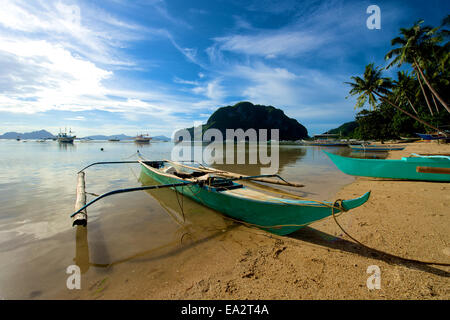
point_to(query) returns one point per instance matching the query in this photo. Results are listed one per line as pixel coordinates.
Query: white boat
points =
(142, 138)
(65, 137)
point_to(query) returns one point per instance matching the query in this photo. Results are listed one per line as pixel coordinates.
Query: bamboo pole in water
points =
(81, 217)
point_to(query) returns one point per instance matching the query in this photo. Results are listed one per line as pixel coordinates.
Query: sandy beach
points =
(404, 218)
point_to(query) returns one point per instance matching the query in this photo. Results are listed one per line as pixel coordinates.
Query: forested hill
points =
(246, 115)
(345, 130)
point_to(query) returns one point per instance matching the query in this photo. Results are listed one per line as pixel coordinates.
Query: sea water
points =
(37, 195)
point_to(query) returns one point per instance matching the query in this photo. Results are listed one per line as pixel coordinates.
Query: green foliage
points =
(347, 130)
(375, 124)
(367, 88)
(399, 107)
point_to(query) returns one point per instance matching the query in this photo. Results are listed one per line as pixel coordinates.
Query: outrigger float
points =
(221, 191)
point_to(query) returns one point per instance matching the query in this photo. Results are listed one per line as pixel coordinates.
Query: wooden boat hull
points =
(405, 169)
(276, 215)
(66, 139)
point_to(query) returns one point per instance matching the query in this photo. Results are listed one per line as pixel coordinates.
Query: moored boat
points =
(408, 168)
(436, 136)
(142, 138)
(324, 143)
(409, 139)
(65, 137)
(376, 148)
(325, 140)
(277, 215)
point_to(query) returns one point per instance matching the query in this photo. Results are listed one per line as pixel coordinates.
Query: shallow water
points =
(38, 191)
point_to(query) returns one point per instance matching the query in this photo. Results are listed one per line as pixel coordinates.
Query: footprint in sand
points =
(446, 251)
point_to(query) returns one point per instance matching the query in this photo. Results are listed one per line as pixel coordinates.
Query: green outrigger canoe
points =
(277, 215)
(426, 168)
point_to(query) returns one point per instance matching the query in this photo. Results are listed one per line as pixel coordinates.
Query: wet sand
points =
(404, 218)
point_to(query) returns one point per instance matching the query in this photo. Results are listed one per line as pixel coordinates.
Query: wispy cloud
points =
(272, 44)
(57, 57)
(94, 36)
(213, 90)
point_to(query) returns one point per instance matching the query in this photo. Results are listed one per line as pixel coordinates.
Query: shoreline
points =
(403, 218)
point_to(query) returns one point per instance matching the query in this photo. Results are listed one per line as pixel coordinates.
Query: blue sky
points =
(110, 67)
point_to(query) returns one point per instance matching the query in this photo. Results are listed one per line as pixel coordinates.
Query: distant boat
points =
(327, 140)
(65, 137)
(427, 168)
(18, 139)
(142, 138)
(324, 143)
(438, 136)
(408, 139)
(114, 139)
(376, 148)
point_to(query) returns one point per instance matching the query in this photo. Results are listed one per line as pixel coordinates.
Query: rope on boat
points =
(279, 226)
(181, 205)
(337, 205)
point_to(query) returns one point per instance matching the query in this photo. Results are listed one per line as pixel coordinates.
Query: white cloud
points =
(77, 118)
(55, 56)
(272, 43)
(213, 90)
(182, 81)
(91, 33)
(58, 79)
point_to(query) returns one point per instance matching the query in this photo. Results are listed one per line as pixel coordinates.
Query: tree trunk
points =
(431, 88)
(407, 113)
(424, 93)
(412, 106)
(435, 104)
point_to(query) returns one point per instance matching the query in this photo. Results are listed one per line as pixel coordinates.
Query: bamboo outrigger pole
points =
(171, 185)
(237, 175)
(80, 218)
(80, 214)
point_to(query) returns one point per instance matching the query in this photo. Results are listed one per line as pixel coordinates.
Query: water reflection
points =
(242, 158)
(287, 157)
(194, 224)
(66, 146)
(191, 216)
(142, 143)
(82, 249)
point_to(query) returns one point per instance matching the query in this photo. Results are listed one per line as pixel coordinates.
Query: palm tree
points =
(403, 86)
(414, 43)
(374, 86)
